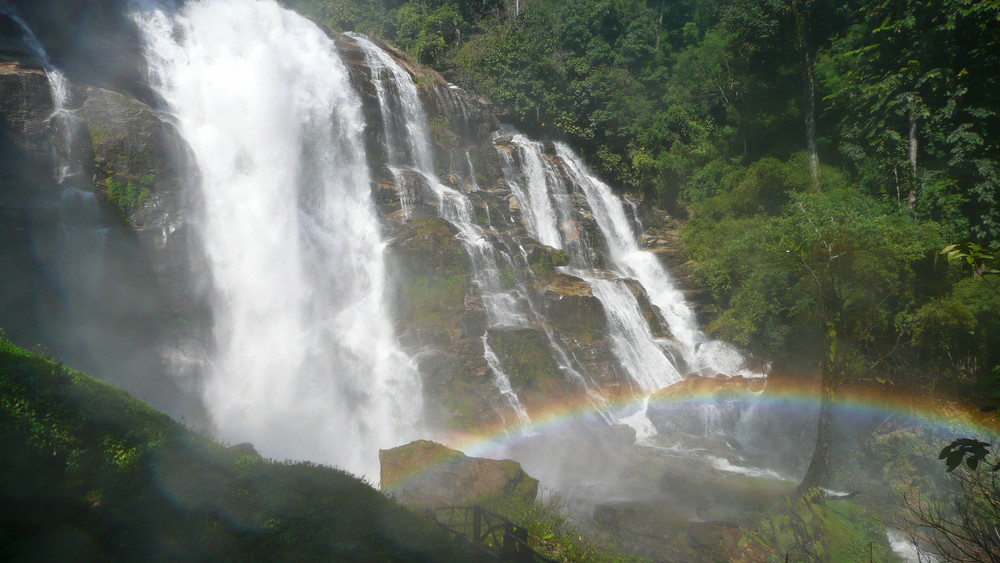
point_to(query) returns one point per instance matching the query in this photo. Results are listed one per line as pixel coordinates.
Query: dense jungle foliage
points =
(822, 153)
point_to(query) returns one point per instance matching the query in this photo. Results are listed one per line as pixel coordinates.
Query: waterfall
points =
(58, 85)
(306, 364)
(545, 187)
(64, 123)
(502, 381)
(505, 305)
(545, 192)
(396, 89)
(698, 351)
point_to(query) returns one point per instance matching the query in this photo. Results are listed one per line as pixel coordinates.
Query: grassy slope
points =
(87, 472)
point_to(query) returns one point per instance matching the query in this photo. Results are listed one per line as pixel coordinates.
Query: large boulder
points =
(139, 160)
(425, 474)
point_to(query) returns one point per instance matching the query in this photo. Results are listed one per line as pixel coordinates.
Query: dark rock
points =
(425, 474)
(527, 359)
(434, 265)
(138, 159)
(108, 55)
(25, 106)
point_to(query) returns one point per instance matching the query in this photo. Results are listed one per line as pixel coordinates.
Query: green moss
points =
(443, 133)
(813, 529)
(551, 533)
(544, 260)
(525, 356)
(128, 196)
(433, 263)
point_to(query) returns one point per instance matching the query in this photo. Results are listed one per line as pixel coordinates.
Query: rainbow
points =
(946, 418)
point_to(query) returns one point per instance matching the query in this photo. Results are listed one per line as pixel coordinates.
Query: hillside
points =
(90, 473)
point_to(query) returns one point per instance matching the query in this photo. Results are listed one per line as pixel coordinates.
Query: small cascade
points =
(642, 358)
(554, 193)
(502, 381)
(473, 184)
(698, 352)
(504, 305)
(306, 363)
(75, 200)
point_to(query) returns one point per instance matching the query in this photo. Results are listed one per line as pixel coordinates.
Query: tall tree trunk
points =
(659, 25)
(912, 200)
(820, 462)
(809, 98)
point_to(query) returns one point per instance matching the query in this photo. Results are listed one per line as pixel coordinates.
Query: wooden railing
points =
(495, 537)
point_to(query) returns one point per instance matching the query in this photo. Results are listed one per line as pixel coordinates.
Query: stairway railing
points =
(495, 536)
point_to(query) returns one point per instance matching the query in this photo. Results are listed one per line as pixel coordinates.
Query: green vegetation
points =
(91, 473)
(821, 152)
(773, 126)
(848, 532)
(553, 535)
(127, 196)
(525, 356)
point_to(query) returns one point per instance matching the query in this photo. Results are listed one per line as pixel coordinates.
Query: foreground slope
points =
(88, 472)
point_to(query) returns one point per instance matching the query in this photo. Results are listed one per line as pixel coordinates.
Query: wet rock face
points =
(425, 474)
(527, 359)
(108, 55)
(432, 266)
(702, 406)
(661, 237)
(25, 105)
(139, 160)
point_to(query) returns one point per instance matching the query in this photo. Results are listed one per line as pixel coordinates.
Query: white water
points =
(58, 85)
(65, 124)
(502, 381)
(631, 338)
(306, 363)
(631, 261)
(551, 211)
(504, 304)
(906, 549)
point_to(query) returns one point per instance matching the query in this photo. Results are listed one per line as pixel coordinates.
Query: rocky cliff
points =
(136, 176)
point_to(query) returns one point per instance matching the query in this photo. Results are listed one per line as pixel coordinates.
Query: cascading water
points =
(505, 306)
(697, 350)
(651, 363)
(306, 363)
(503, 385)
(63, 122)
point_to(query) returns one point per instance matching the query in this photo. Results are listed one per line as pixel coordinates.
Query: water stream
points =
(306, 364)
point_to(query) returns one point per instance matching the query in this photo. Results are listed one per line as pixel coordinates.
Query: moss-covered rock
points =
(652, 316)
(813, 529)
(137, 157)
(543, 260)
(571, 307)
(424, 474)
(527, 358)
(432, 266)
(459, 394)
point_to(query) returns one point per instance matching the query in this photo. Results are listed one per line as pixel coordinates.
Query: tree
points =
(825, 281)
(964, 525)
(914, 85)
